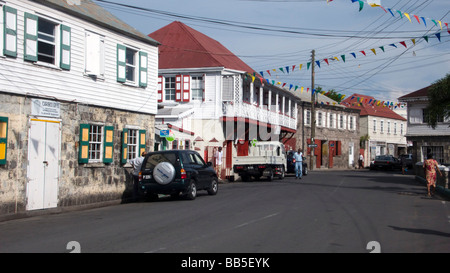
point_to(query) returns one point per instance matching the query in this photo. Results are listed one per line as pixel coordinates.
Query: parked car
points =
(408, 160)
(176, 172)
(386, 162)
(291, 163)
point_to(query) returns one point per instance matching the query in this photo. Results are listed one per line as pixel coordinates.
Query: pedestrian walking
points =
(136, 163)
(430, 166)
(298, 157)
(361, 161)
(218, 160)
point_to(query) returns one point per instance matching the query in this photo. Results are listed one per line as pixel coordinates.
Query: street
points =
(325, 212)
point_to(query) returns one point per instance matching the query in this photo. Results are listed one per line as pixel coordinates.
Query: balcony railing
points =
(262, 114)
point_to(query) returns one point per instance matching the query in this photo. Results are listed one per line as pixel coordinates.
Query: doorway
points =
(44, 142)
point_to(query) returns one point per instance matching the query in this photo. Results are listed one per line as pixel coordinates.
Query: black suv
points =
(176, 172)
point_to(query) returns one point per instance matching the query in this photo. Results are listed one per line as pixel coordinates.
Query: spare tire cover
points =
(164, 173)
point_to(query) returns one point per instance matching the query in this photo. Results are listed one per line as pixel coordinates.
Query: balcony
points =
(259, 113)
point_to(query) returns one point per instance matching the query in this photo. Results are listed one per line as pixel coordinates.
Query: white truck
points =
(265, 158)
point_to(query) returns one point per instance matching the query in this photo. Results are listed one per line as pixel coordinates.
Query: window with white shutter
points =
(9, 31)
(95, 54)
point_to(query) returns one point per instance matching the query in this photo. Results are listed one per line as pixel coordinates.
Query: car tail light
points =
(140, 176)
(239, 167)
(183, 174)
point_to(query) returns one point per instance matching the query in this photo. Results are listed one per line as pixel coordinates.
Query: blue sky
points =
(332, 30)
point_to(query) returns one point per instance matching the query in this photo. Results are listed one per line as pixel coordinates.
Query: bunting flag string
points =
(291, 68)
(407, 15)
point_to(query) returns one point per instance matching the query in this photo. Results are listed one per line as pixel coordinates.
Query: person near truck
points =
(298, 157)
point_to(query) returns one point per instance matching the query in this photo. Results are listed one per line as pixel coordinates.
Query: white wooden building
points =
(77, 99)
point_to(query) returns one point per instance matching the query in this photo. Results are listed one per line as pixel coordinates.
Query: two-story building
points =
(210, 98)
(382, 130)
(77, 100)
(422, 138)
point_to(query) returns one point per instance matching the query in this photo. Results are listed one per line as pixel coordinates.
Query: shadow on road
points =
(421, 231)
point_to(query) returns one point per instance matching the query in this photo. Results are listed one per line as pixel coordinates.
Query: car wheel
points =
(214, 187)
(192, 192)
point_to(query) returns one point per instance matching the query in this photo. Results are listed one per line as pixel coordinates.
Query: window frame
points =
(168, 81)
(197, 88)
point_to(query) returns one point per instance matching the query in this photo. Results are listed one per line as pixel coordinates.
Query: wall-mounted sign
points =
(45, 108)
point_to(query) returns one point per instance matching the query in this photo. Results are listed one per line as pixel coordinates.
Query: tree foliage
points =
(438, 108)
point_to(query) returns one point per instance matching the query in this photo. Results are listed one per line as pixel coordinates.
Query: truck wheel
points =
(282, 173)
(270, 176)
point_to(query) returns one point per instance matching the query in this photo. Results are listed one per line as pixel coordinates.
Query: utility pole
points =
(313, 111)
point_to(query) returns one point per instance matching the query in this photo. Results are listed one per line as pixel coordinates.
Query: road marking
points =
(256, 220)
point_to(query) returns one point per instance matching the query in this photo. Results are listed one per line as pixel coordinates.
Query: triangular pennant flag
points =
(262, 74)
(318, 63)
(268, 71)
(374, 52)
(401, 15)
(281, 69)
(293, 68)
(361, 5)
(435, 23)
(383, 9)
(290, 87)
(426, 38)
(354, 55)
(300, 68)
(391, 12)
(296, 87)
(301, 90)
(440, 24)
(284, 84)
(287, 69)
(362, 51)
(343, 58)
(425, 22)
(336, 58)
(407, 16)
(403, 43)
(417, 18)
(326, 60)
(314, 90)
(382, 48)
(438, 35)
(413, 41)
(308, 65)
(307, 90)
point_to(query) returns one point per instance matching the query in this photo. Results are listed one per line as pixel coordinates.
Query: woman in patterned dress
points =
(430, 166)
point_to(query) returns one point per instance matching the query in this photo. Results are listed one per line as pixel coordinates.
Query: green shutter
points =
(142, 141)
(3, 139)
(9, 31)
(121, 63)
(31, 38)
(143, 63)
(124, 147)
(108, 144)
(83, 155)
(65, 47)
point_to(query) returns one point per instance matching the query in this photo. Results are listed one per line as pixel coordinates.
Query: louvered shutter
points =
(142, 141)
(3, 139)
(143, 63)
(186, 93)
(121, 63)
(65, 47)
(124, 147)
(10, 31)
(203, 86)
(178, 87)
(83, 155)
(31, 37)
(108, 144)
(160, 88)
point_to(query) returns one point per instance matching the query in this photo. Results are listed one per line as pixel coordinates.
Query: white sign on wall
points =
(45, 108)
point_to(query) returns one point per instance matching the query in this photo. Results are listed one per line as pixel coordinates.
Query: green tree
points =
(332, 94)
(439, 102)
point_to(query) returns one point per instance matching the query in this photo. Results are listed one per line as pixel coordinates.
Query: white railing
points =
(246, 110)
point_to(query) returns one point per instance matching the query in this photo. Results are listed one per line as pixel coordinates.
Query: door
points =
(43, 164)
(351, 154)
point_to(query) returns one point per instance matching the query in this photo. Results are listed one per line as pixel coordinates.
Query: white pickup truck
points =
(265, 158)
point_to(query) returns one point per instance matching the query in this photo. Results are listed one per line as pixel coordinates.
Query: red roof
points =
(416, 94)
(370, 109)
(184, 47)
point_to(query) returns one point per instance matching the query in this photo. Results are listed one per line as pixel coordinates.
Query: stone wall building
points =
(73, 110)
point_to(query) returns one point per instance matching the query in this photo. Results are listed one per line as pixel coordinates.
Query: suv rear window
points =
(154, 159)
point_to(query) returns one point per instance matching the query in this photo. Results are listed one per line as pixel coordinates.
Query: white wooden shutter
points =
(94, 54)
(178, 88)
(65, 47)
(121, 63)
(143, 64)
(10, 31)
(31, 37)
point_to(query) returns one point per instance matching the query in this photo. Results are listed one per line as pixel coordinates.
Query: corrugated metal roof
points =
(92, 12)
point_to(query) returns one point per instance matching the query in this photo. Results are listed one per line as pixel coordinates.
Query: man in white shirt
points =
(298, 157)
(136, 163)
(218, 157)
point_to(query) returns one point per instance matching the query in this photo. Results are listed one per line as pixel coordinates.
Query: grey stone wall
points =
(79, 184)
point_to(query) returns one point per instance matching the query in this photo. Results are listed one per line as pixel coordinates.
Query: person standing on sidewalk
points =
(298, 157)
(361, 161)
(136, 163)
(430, 166)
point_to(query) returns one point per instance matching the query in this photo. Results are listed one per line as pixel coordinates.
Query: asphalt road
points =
(329, 211)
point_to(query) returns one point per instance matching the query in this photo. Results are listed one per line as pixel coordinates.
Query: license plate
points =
(148, 176)
(250, 167)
